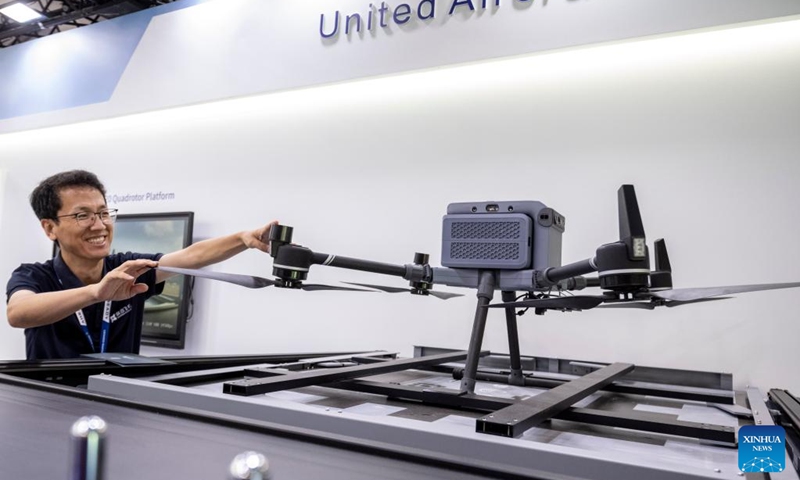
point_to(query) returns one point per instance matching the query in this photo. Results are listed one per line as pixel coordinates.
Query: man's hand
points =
(119, 284)
(259, 238)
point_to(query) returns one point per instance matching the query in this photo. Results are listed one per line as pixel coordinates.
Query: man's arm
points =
(28, 309)
(214, 250)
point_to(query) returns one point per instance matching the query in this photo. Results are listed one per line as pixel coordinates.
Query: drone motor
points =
(624, 266)
(291, 262)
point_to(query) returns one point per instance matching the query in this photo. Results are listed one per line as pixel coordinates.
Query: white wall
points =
(705, 125)
(173, 55)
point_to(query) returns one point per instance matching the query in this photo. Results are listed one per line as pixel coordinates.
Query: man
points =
(86, 300)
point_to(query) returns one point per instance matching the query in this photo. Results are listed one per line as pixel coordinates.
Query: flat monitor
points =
(165, 315)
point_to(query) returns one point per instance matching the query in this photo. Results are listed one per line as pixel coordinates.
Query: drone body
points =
(502, 236)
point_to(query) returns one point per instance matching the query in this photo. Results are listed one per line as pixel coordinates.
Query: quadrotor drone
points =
(513, 247)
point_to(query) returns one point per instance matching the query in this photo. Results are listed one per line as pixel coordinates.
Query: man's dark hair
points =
(45, 198)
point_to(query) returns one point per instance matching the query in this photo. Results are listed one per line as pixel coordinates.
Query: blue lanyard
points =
(105, 329)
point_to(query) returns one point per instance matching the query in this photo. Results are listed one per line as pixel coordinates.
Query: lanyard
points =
(103, 332)
(106, 325)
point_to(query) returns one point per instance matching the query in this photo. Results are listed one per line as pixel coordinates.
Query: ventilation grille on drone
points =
(485, 251)
(485, 230)
(496, 240)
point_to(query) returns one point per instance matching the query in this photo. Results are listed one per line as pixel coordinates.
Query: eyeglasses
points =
(87, 219)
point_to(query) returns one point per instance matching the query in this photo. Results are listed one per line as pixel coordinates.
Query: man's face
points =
(91, 241)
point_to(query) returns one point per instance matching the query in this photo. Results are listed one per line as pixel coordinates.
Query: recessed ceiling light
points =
(20, 13)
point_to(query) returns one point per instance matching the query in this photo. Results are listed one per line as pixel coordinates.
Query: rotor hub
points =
(288, 283)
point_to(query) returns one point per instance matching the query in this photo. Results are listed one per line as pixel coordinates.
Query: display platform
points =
(373, 415)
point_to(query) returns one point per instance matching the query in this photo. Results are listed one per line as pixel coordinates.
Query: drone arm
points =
(413, 272)
(553, 275)
(578, 283)
(364, 265)
(526, 280)
(291, 259)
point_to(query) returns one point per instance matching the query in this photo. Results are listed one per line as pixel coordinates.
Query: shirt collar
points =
(66, 278)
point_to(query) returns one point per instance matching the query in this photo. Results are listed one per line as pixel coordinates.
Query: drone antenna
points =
(661, 256)
(630, 219)
(661, 277)
(631, 229)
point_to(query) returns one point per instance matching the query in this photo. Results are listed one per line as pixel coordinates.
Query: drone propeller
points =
(695, 294)
(250, 281)
(387, 289)
(586, 302)
(644, 300)
(652, 305)
(661, 284)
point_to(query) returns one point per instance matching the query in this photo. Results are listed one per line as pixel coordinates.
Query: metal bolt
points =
(88, 439)
(250, 466)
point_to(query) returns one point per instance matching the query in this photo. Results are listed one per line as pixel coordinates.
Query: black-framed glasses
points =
(86, 219)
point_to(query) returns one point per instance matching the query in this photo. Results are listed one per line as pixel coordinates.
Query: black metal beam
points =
(789, 407)
(363, 358)
(642, 421)
(632, 388)
(317, 377)
(576, 367)
(514, 420)
(77, 371)
(650, 422)
(374, 359)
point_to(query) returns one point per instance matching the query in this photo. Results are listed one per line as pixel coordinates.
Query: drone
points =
(519, 244)
(511, 247)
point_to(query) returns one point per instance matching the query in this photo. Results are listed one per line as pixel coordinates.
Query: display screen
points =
(165, 314)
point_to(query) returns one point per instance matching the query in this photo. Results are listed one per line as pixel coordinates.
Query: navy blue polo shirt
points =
(65, 338)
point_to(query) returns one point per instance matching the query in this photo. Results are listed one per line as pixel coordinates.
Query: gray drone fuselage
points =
(515, 239)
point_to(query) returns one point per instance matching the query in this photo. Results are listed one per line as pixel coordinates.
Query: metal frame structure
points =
(504, 418)
(238, 398)
(240, 382)
(61, 15)
(285, 441)
(789, 407)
